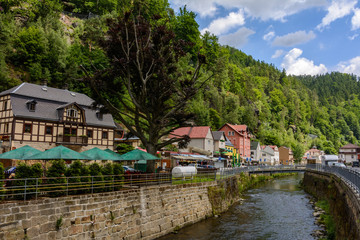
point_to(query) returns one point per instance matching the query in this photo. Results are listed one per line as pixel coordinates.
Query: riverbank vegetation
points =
(62, 41)
(327, 220)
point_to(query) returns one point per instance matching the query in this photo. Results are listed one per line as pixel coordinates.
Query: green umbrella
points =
(137, 154)
(98, 154)
(118, 156)
(20, 153)
(59, 152)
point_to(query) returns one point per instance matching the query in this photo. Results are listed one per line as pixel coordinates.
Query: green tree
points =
(124, 148)
(144, 61)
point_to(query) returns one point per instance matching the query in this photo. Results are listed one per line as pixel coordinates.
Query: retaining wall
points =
(146, 213)
(343, 201)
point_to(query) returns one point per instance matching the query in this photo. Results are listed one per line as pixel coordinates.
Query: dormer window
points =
(99, 115)
(72, 113)
(31, 105)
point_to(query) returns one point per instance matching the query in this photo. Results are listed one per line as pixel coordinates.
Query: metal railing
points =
(33, 188)
(351, 176)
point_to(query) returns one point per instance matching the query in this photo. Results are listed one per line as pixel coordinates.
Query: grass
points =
(327, 219)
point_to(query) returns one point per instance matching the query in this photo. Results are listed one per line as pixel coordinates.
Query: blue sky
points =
(302, 36)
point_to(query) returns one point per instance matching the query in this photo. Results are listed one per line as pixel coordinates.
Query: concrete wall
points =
(142, 213)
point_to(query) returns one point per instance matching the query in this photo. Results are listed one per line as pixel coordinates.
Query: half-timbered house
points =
(44, 117)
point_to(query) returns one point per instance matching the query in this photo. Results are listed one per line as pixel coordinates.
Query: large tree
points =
(150, 81)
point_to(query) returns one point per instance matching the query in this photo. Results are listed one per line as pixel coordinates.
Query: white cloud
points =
(353, 36)
(237, 39)
(222, 25)
(355, 21)
(262, 9)
(337, 9)
(301, 66)
(278, 53)
(292, 39)
(202, 7)
(351, 66)
(269, 36)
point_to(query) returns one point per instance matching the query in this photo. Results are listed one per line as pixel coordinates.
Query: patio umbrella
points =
(20, 153)
(118, 156)
(59, 152)
(137, 154)
(98, 154)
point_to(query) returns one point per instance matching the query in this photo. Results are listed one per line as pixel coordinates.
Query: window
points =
(233, 133)
(89, 133)
(27, 128)
(32, 107)
(48, 130)
(6, 128)
(105, 135)
(72, 113)
(5, 106)
(71, 131)
(99, 115)
(229, 133)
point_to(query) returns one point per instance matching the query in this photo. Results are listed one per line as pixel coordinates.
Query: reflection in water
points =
(276, 210)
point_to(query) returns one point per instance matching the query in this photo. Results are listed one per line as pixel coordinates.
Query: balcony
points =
(72, 140)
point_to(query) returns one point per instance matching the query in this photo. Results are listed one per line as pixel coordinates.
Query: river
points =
(276, 210)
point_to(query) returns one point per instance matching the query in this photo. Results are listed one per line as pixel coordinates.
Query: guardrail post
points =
(67, 186)
(36, 189)
(25, 190)
(92, 184)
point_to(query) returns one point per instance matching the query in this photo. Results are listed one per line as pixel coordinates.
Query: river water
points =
(276, 210)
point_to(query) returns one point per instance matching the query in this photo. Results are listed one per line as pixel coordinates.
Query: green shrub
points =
(56, 173)
(2, 176)
(74, 172)
(108, 172)
(30, 185)
(119, 175)
(2, 169)
(96, 177)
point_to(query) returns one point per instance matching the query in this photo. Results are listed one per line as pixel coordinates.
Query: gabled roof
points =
(254, 145)
(218, 134)
(350, 146)
(228, 143)
(51, 99)
(268, 150)
(273, 147)
(237, 128)
(192, 132)
(49, 93)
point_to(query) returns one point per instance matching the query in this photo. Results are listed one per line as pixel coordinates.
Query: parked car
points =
(355, 164)
(337, 164)
(206, 166)
(130, 170)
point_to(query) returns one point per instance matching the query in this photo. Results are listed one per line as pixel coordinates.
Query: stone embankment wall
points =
(142, 213)
(344, 204)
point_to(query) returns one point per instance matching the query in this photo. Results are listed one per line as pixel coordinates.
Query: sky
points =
(301, 36)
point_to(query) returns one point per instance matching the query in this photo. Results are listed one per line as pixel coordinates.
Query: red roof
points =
(238, 128)
(192, 132)
(350, 146)
(273, 147)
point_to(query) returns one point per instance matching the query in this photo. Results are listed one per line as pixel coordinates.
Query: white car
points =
(337, 164)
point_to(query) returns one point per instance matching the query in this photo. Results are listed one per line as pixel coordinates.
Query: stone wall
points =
(142, 213)
(344, 203)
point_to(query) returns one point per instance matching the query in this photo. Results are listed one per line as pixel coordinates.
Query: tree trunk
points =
(150, 164)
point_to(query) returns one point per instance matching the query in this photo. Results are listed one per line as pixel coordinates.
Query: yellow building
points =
(44, 117)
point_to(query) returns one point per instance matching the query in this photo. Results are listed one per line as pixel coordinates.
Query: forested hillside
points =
(50, 40)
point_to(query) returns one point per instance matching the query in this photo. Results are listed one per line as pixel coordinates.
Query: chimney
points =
(44, 82)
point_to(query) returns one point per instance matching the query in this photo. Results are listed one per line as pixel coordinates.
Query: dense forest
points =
(50, 40)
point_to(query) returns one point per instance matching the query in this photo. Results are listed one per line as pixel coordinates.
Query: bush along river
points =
(276, 209)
